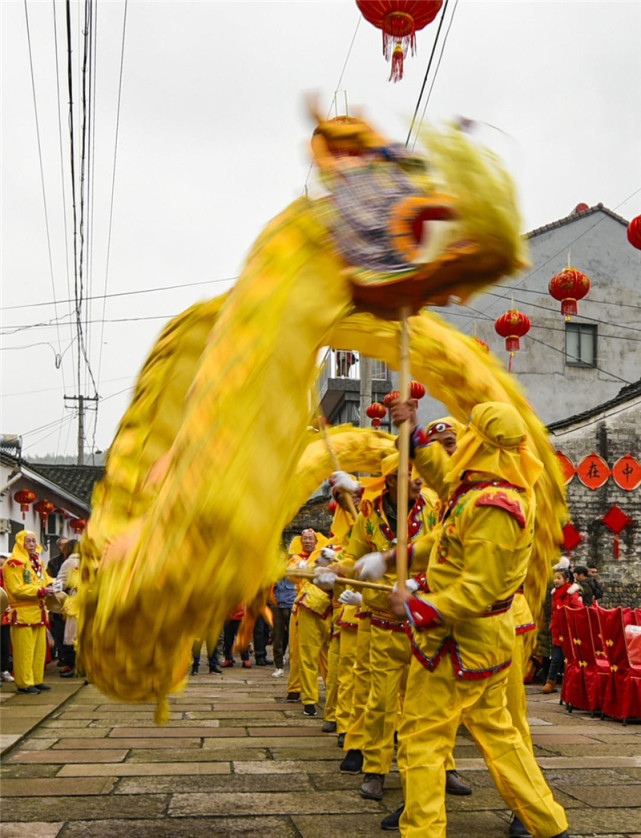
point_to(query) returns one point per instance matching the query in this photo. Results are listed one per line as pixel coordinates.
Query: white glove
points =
(327, 556)
(372, 566)
(412, 585)
(325, 580)
(350, 598)
(343, 482)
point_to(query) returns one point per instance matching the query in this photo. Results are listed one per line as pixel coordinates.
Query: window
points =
(580, 344)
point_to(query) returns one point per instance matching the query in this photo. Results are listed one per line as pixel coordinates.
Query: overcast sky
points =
(212, 143)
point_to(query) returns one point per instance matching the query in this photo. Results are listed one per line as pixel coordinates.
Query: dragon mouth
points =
(416, 229)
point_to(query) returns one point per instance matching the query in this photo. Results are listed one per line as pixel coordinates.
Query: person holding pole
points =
(463, 631)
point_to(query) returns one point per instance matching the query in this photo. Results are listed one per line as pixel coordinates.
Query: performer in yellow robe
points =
(27, 583)
(389, 649)
(463, 631)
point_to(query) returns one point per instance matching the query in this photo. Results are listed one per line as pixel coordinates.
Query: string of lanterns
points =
(44, 508)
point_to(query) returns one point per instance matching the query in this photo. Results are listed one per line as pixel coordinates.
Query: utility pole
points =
(366, 388)
(81, 422)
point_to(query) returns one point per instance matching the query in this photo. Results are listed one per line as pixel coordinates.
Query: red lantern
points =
(391, 397)
(512, 325)
(376, 412)
(417, 390)
(24, 497)
(569, 286)
(399, 20)
(44, 508)
(634, 232)
(77, 525)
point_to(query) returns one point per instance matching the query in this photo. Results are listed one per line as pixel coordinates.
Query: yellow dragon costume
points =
(227, 387)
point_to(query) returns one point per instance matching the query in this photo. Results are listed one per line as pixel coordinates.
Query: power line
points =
(436, 70)
(126, 293)
(427, 71)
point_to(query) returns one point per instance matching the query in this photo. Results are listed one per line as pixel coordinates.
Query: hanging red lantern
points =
(482, 344)
(376, 412)
(417, 390)
(391, 397)
(24, 497)
(569, 286)
(512, 325)
(634, 232)
(77, 525)
(399, 20)
(44, 508)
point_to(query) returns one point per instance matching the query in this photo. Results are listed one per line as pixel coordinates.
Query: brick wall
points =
(314, 514)
(610, 436)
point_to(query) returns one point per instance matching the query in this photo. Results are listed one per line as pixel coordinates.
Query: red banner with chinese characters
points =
(593, 471)
(626, 473)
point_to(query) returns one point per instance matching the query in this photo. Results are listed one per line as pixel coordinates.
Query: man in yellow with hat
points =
(27, 583)
(463, 631)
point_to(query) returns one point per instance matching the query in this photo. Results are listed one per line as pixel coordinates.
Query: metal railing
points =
(340, 363)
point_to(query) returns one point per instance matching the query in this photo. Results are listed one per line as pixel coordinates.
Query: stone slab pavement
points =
(235, 759)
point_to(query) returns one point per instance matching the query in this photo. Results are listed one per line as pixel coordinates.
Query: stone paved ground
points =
(235, 759)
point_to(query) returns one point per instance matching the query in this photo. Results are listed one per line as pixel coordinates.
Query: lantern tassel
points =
(397, 63)
(617, 552)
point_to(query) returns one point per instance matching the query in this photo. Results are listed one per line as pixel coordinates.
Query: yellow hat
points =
(495, 442)
(19, 550)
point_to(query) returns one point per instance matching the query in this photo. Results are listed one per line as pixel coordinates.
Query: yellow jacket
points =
(371, 533)
(475, 568)
(25, 580)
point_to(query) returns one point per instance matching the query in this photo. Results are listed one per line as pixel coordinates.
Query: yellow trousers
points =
(389, 656)
(331, 684)
(346, 668)
(313, 643)
(293, 685)
(362, 676)
(515, 693)
(29, 653)
(435, 704)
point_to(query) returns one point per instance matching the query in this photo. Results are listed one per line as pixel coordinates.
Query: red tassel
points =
(397, 63)
(616, 546)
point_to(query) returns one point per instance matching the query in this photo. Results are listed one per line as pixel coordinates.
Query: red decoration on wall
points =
(616, 521)
(44, 508)
(593, 471)
(634, 232)
(24, 497)
(376, 412)
(512, 325)
(399, 21)
(571, 537)
(568, 286)
(567, 466)
(626, 473)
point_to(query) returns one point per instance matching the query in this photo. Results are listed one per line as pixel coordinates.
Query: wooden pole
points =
(403, 450)
(335, 464)
(345, 580)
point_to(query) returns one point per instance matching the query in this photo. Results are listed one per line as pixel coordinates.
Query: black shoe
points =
(29, 690)
(194, 669)
(310, 710)
(353, 762)
(518, 829)
(261, 662)
(455, 785)
(329, 727)
(68, 674)
(391, 822)
(341, 740)
(42, 687)
(213, 667)
(293, 696)
(565, 834)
